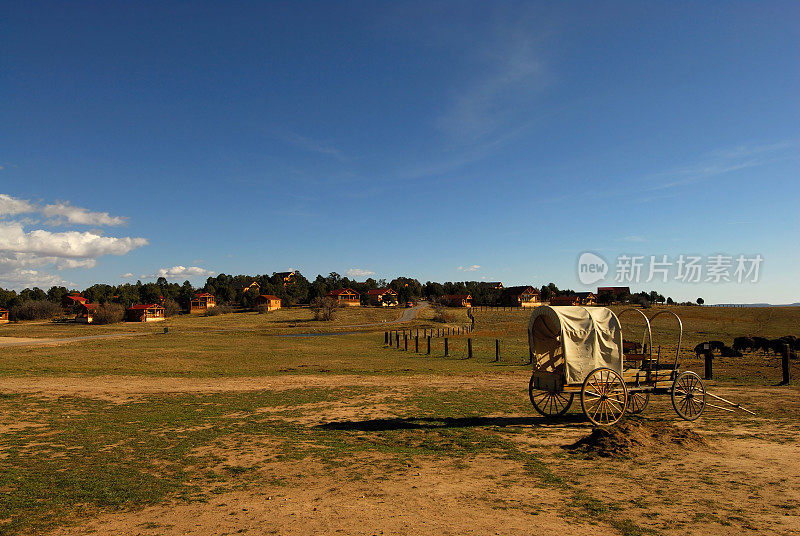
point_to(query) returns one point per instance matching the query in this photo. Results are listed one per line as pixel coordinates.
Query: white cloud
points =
(23, 252)
(19, 278)
(473, 268)
(127, 275)
(359, 272)
(180, 272)
(633, 238)
(59, 213)
(64, 213)
(69, 244)
(508, 72)
(10, 206)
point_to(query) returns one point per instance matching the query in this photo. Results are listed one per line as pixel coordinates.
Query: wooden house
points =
(202, 302)
(522, 296)
(151, 312)
(272, 303)
(85, 314)
(565, 300)
(251, 286)
(457, 300)
(346, 297)
(383, 297)
(286, 277)
(69, 301)
(614, 293)
(587, 298)
(3, 316)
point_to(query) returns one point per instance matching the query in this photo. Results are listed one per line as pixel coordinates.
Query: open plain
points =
(238, 424)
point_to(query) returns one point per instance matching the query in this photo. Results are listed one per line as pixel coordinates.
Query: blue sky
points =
(443, 141)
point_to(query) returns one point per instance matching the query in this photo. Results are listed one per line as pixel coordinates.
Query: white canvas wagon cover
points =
(574, 341)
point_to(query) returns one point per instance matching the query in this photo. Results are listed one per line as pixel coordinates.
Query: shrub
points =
(440, 314)
(171, 308)
(324, 308)
(108, 313)
(219, 310)
(262, 309)
(36, 310)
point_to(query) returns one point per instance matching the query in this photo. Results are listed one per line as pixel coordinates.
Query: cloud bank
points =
(23, 249)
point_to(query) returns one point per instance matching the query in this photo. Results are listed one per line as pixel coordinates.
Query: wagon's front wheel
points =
(604, 396)
(549, 403)
(688, 395)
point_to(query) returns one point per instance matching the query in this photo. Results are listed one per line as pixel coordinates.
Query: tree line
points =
(230, 290)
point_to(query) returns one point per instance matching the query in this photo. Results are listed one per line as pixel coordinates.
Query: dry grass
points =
(245, 415)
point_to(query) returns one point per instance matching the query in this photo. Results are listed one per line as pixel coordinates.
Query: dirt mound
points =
(634, 437)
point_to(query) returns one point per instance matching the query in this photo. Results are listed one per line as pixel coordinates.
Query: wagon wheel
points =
(549, 403)
(604, 396)
(637, 401)
(688, 395)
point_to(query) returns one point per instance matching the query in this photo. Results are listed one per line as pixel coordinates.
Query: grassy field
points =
(227, 425)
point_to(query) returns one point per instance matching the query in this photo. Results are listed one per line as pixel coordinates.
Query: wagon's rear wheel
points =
(688, 395)
(549, 403)
(604, 396)
(637, 401)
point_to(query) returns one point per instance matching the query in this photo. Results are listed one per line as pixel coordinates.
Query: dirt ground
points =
(745, 478)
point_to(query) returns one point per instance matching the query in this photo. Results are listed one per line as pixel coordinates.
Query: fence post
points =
(385, 338)
(786, 368)
(416, 344)
(390, 338)
(397, 339)
(469, 348)
(497, 349)
(405, 341)
(446, 348)
(429, 346)
(709, 370)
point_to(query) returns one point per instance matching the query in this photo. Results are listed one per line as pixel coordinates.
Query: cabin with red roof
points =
(457, 300)
(3, 316)
(150, 312)
(383, 297)
(272, 303)
(345, 297)
(69, 301)
(85, 313)
(202, 302)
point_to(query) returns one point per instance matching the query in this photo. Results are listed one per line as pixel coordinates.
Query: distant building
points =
(272, 303)
(251, 286)
(151, 312)
(457, 300)
(492, 285)
(616, 293)
(522, 296)
(346, 297)
(202, 302)
(382, 296)
(286, 277)
(85, 313)
(565, 300)
(69, 301)
(3, 316)
(578, 298)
